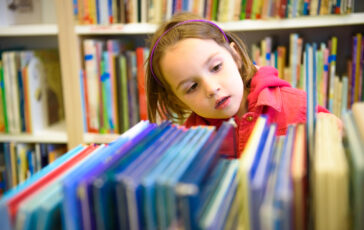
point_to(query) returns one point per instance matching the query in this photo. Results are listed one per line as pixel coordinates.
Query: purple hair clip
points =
(178, 24)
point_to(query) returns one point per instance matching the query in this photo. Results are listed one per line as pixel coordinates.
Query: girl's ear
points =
(236, 54)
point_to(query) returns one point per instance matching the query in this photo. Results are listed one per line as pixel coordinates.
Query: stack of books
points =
(167, 176)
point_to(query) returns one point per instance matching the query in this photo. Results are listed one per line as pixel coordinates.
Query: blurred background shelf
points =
(244, 25)
(29, 30)
(54, 134)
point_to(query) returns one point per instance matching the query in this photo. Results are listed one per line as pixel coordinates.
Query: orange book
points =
(281, 61)
(28, 122)
(141, 83)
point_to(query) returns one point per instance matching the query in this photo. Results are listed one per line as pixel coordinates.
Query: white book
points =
(12, 91)
(37, 94)
(92, 82)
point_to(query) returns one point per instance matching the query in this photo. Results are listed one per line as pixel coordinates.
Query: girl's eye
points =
(192, 88)
(216, 67)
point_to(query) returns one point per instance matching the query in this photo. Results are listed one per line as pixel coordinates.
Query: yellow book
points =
(13, 160)
(358, 110)
(299, 178)
(246, 161)
(330, 176)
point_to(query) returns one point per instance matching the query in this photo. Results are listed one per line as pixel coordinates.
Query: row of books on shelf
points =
(132, 11)
(167, 176)
(19, 161)
(112, 84)
(335, 92)
(31, 91)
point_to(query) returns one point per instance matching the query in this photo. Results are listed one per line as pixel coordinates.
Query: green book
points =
(124, 94)
(243, 10)
(3, 112)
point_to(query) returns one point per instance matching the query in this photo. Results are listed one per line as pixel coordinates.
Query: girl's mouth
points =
(222, 102)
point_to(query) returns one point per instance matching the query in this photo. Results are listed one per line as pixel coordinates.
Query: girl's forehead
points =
(194, 48)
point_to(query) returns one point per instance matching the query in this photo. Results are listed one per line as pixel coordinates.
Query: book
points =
(149, 181)
(12, 204)
(128, 182)
(166, 182)
(4, 217)
(254, 146)
(283, 194)
(101, 178)
(217, 207)
(259, 177)
(71, 205)
(192, 184)
(141, 55)
(299, 177)
(356, 162)
(331, 184)
(266, 211)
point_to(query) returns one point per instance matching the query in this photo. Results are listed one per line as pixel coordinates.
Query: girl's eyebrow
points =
(205, 63)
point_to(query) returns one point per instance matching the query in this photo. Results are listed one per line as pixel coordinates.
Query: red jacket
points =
(268, 95)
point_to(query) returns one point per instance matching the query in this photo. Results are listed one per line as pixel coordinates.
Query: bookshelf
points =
(29, 30)
(235, 26)
(67, 36)
(40, 35)
(54, 134)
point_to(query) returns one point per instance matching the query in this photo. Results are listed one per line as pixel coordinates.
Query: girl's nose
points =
(212, 88)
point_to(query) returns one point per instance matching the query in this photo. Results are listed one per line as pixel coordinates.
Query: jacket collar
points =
(264, 90)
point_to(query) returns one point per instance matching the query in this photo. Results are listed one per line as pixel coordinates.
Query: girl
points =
(198, 72)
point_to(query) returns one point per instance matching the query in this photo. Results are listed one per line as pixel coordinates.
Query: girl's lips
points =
(222, 102)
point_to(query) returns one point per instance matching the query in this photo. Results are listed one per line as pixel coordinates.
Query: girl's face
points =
(205, 77)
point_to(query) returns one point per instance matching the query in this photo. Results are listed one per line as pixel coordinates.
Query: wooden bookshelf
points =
(29, 30)
(240, 26)
(69, 37)
(54, 134)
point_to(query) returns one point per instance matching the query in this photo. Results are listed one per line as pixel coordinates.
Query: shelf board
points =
(244, 25)
(54, 134)
(29, 30)
(294, 23)
(99, 138)
(132, 28)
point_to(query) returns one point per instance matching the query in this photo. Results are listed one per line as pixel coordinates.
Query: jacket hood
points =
(265, 78)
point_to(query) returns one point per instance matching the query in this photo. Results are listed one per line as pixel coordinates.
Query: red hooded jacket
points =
(269, 95)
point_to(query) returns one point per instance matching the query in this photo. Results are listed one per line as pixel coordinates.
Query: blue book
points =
(149, 180)
(165, 182)
(216, 209)
(128, 183)
(266, 211)
(106, 207)
(283, 195)
(190, 186)
(177, 174)
(260, 177)
(102, 178)
(4, 215)
(71, 205)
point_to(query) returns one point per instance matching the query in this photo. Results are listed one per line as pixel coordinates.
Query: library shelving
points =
(67, 36)
(54, 134)
(29, 30)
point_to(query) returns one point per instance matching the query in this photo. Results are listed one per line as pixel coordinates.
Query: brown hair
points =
(161, 99)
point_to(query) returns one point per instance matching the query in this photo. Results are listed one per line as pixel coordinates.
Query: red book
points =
(141, 83)
(84, 82)
(14, 202)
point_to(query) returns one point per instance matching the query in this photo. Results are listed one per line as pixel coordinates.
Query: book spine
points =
(357, 66)
(332, 64)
